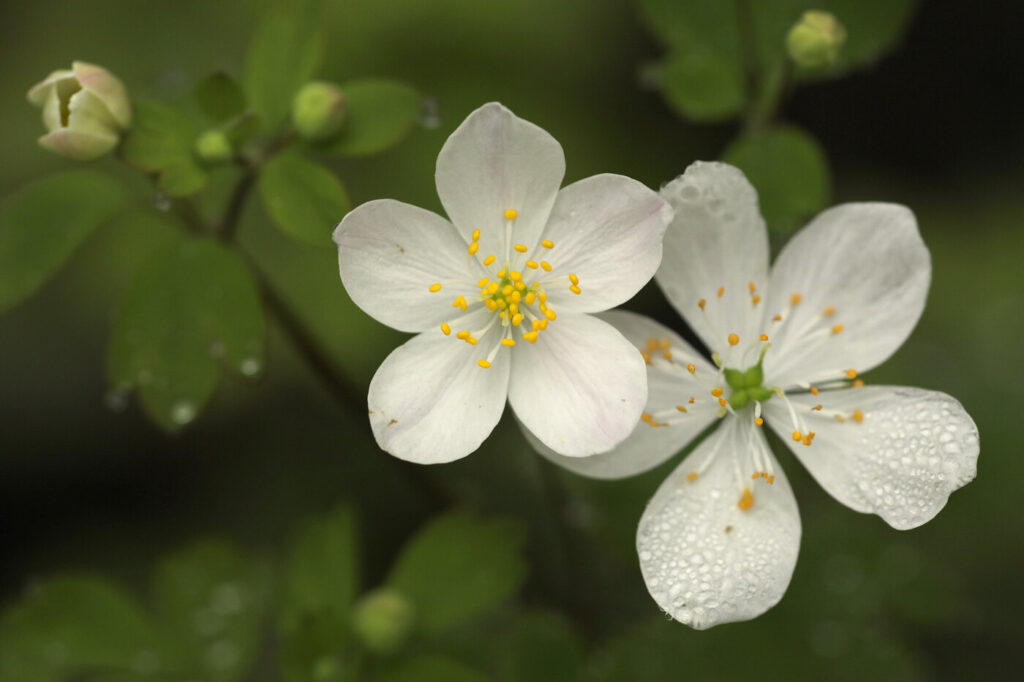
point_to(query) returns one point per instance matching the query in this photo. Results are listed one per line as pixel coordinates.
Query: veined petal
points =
(899, 452)
(607, 231)
(430, 402)
(391, 253)
(494, 162)
(670, 386)
(711, 553)
(858, 268)
(715, 248)
(580, 389)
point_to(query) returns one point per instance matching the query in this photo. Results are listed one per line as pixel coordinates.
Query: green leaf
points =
(702, 85)
(305, 199)
(43, 223)
(210, 599)
(220, 97)
(381, 113)
(322, 569)
(537, 646)
(193, 306)
(160, 142)
(284, 52)
(71, 625)
(430, 668)
(789, 170)
(458, 567)
(316, 648)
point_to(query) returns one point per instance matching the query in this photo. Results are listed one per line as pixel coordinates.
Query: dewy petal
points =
(430, 402)
(493, 162)
(705, 560)
(606, 230)
(909, 450)
(580, 389)
(669, 386)
(717, 242)
(865, 261)
(389, 255)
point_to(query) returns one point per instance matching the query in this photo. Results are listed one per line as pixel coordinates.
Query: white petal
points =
(705, 560)
(607, 230)
(580, 388)
(910, 451)
(39, 92)
(430, 402)
(869, 263)
(717, 241)
(390, 253)
(493, 162)
(668, 385)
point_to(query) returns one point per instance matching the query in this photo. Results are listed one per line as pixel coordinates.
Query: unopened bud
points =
(382, 620)
(815, 40)
(85, 109)
(213, 146)
(319, 110)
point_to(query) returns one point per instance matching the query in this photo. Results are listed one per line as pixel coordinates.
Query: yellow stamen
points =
(851, 374)
(755, 299)
(797, 436)
(573, 278)
(837, 328)
(530, 336)
(858, 416)
(483, 363)
(530, 298)
(680, 408)
(858, 383)
(723, 402)
(548, 244)
(716, 392)
(701, 303)
(817, 408)
(521, 248)
(764, 337)
(445, 328)
(752, 287)
(575, 289)
(482, 283)
(476, 235)
(473, 248)
(517, 319)
(491, 304)
(777, 318)
(462, 335)
(471, 341)
(550, 314)
(508, 342)
(829, 311)
(459, 302)
(489, 259)
(795, 298)
(515, 275)
(692, 476)
(746, 500)
(759, 421)
(733, 339)
(511, 214)
(691, 368)
(721, 290)
(546, 265)
(814, 391)
(435, 287)
(692, 400)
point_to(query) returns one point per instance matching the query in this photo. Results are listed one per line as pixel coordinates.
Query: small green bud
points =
(213, 146)
(383, 619)
(319, 110)
(814, 41)
(85, 110)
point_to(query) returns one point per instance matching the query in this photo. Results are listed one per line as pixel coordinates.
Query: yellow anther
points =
(764, 337)
(482, 283)
(716, 391)
(752, 287)
(543, 296)
(692, 400)
(550, 314)
(858, 416)
(691, 368)
(652, 344)
(858, 383)
(851, 374)
(492, 288)
(521, 248)
(777, 318)
(795, 298)
(532, 264)
(515, 296)
(471, 341)
(530, 336)
(489, 259)
(755, 299)
(807, 439)
(646, 356)
(701, 303)
(501, 273)
(692, 476)
(746, 500)
(517, 319)
(797, 436)
(723, 402)
(573, 278)
(530, 298)
(483, 363)
(546, 265)
(721, 290)
(502, 303)
(544, 323)
(508, 342)
(575, 289)
(759, 421)
(445, 328)
(839, 418)
(515, 275)
(814, 391)
(829, 311)
(756, 475)
(817, 408)
(536, 325)
(507, 290)
(491, 304)
(459, 302)
(435, 287)
(511, 214)
(476, 235)
(548, 244)
(462, 335)
(680, 408)
(733, 339)
(473, 248)
(837, 328)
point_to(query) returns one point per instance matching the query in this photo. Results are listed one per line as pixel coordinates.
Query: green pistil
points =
(747, 385)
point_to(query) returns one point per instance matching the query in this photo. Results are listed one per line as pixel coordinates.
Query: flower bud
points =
(382, 619)
(85, 108)
(319, 110)
(213, 146)
(814, 41)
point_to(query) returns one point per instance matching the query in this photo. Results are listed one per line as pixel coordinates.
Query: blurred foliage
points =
(94, 497)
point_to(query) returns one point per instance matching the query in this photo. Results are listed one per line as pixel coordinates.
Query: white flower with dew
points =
(719, 539)
(500, 296)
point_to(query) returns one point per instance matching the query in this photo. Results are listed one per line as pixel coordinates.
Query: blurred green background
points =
(935, 125)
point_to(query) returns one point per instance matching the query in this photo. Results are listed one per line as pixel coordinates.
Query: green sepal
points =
(734, 378)
(753, 376)
(759, 393)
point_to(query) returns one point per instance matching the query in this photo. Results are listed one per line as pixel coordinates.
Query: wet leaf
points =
(305, 199)
(380, 114)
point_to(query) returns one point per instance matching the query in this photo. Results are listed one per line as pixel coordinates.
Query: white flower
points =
(718, 541)
(499, 296)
